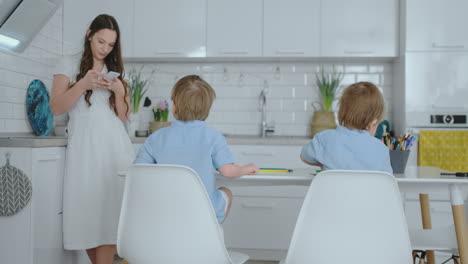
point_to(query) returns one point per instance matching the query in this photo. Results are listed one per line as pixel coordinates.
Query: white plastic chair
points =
(442, 239)
(167, 217)
(351, 217)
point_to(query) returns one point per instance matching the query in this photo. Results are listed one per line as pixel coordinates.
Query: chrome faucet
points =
(262, 107)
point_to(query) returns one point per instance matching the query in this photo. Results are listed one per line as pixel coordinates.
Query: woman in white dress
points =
(98, 145)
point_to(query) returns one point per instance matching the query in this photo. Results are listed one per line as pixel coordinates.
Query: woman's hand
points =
(94, 79)
(117, 87)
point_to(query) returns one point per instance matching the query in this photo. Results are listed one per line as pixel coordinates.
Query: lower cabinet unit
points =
(262, 220)
(34, 235)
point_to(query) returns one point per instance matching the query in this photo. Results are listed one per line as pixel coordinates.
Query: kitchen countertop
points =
(26, 140)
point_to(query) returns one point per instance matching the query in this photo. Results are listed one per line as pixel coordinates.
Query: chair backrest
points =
(167, 217)
(351, 217)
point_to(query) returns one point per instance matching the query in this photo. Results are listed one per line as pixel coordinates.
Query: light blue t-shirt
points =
(192, 144)
(347, 149)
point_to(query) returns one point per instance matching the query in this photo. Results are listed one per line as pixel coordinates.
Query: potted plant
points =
(137, 86)
(160, 114)
(328, 86)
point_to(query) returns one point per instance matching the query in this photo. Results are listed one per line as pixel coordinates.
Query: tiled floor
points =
(118, 261)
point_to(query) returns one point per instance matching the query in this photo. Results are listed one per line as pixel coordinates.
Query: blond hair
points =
(360, 104)
(193, 98)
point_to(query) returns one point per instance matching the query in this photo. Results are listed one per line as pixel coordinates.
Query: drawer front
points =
(269, 156)
(262, 222)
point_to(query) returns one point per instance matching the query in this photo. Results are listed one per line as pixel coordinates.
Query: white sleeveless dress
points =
(98, 148)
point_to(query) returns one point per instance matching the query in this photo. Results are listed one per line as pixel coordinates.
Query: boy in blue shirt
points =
(190, 142)
(352, 145)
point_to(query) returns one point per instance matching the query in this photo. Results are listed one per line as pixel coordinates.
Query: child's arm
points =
(144, 154)
(233, 171)
(318, 164)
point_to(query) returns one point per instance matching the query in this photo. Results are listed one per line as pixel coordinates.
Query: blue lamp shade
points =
(37, 106)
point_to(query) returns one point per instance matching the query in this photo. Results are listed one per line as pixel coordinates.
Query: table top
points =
(429, 175)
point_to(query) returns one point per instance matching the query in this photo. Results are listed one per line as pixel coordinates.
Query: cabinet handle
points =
(362, 52)
(178, 53)
(265, 205)
(48, 157)
(60, 213)
(290, 52)
(447, 46)
(269, 154)
(234, 52)
(434, 106)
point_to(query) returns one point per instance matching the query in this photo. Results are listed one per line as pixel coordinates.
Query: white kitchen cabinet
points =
(34, 235)
(174, 28)
(78, 16)
(234, 28)
(361, 28)
(269, 156)
(435, 25)
(262, 218)
(435, 83)
(291, 28)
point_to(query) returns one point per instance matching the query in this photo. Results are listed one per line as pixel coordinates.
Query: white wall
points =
(17, 70)
(292, 90)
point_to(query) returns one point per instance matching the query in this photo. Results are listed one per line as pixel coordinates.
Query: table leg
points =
(459, 219)
(426, 222)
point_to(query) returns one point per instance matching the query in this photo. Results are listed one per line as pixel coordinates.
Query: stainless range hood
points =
(21, 20)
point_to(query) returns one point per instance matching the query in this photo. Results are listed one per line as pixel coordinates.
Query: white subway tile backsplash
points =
(348, 79)
(19, 111)
(386, 79)
(6, 110)
(291, 85)
(373, 78)
(350, 68)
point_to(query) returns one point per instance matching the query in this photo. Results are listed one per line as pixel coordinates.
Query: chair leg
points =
(455, 259)
(421, 255)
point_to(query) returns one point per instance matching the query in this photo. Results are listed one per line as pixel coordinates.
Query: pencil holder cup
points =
(398, 159)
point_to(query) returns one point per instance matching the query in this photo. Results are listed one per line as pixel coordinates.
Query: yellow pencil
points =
(277, 170)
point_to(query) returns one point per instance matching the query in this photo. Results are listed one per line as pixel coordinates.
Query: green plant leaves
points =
(137, 89)
(328, 84)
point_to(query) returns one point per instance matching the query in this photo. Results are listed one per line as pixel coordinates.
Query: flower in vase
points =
(161, 111)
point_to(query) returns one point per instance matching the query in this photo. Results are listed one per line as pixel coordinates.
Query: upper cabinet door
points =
(234, 28)
(78, 16)
(359, 28)
(433, 25)
(291, 28)
(173, 28)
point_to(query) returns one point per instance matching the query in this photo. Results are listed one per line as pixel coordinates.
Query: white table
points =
(422, 180)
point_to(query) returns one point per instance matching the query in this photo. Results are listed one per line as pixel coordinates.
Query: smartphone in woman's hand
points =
(112, 75)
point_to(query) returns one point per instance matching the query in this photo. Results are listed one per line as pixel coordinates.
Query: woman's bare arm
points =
(63, 98)
(121, 101)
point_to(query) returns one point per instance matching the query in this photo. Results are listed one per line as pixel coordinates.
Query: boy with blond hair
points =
(190, 142)
(352, 145)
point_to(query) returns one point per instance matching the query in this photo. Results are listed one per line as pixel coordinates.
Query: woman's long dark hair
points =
(113, 60)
